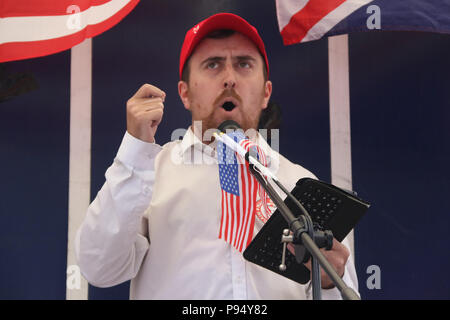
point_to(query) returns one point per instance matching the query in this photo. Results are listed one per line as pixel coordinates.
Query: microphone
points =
(229, 142)
(229, 125)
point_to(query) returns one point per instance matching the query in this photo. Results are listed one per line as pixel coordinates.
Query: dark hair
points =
(270, 117)
(216, 34)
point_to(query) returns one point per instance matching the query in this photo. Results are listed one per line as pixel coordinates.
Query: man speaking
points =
(157, 220)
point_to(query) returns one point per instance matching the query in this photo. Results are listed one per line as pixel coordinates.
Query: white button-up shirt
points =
(156, 221)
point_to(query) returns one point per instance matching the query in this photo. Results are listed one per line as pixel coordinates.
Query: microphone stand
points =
(305, 235)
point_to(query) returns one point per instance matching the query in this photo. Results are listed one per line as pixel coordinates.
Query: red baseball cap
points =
(217, 22)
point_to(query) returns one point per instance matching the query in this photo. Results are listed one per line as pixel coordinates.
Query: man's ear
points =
(267, 93)
(183, 90)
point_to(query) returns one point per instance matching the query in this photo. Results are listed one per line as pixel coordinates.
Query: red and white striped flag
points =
(34, 28)
(240, 193)
(306, 20)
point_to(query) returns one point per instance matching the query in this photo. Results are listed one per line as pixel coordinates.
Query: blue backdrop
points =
(400, 141)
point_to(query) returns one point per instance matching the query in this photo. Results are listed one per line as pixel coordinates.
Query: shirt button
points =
(146, 190)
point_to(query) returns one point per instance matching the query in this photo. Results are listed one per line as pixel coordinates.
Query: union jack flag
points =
(34, 28)
(240, 193)
(305, 20)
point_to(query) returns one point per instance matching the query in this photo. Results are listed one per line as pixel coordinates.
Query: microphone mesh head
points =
(228, 125)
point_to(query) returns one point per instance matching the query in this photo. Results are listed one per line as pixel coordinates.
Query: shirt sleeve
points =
(108, 246)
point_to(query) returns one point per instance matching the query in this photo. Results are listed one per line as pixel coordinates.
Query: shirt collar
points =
(191, 140)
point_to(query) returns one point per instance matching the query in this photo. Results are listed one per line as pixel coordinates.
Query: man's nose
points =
(229, 81)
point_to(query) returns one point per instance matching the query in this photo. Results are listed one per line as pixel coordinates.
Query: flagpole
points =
(340, 137)
(79, 159)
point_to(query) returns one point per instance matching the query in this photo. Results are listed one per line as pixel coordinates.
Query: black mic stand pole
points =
(303, 234)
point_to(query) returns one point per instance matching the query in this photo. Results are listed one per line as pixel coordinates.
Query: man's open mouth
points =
(228, 106)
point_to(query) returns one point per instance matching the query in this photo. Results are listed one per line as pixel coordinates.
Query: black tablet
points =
(330, 207)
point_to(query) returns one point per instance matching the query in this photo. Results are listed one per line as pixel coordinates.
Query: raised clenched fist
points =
(144, 112)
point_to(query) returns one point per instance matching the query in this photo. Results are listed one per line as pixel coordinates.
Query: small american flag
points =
(239, 193)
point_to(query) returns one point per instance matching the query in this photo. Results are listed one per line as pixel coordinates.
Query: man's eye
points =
(244, 64)
(212, 65)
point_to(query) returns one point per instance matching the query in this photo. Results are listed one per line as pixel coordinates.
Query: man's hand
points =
(337, 256)
(144, 112)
